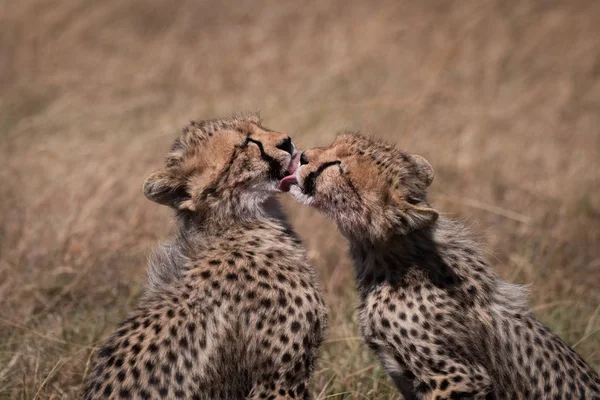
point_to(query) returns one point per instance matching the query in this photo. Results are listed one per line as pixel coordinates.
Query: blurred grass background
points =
(502, 97)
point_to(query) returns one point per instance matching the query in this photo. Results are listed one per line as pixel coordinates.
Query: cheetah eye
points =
(412, 200)
(309, 182)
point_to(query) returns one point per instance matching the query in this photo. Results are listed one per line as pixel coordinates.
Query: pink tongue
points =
(286, 183)
(294, 164)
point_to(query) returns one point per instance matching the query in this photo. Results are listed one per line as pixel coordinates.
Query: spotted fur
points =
(232, 309)
(442, 323)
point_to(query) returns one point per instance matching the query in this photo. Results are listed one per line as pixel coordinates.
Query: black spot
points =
(231, 277)
(183, 342)
(263, 272)
(191, 327)
(264, 285)
(559, 381)
(173, 331)
(107, 390)
(205, 274)
(153, 380)
(282, 301)
(136, 348)
(149, 365)
(266, 303)
(547, 388)
(444, 384)
(309, 316)
(295, 326)
(298, 301)
(529, 351)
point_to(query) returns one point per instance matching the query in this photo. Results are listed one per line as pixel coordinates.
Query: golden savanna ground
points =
(502, 97)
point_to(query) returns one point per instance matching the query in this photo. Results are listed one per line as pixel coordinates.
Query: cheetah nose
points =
(286, 145)
(303, 159)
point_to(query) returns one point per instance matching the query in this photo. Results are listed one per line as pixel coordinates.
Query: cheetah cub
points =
(232, 309)
(441, 322)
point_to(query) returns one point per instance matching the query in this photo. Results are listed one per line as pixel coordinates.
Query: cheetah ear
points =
(418, 217)
(424, 169)
(410, 217)
(164, 188)
(416, 214)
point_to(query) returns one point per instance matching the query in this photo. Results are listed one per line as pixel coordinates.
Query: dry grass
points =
(502, 97)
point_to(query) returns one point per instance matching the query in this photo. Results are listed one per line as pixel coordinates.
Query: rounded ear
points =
(414, 217)
(163, 188)
(424, 168)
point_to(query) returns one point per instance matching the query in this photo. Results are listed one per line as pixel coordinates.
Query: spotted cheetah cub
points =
(441, 322)
(232, 309)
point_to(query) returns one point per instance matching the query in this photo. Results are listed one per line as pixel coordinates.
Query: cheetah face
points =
(235, 159)
(367, 186)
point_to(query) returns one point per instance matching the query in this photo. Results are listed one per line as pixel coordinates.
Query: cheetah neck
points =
(230, 210)
(443, 254)
(194, 236)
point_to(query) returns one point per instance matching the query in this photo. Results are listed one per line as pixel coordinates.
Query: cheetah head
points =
(222, 166)
(370, 188)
